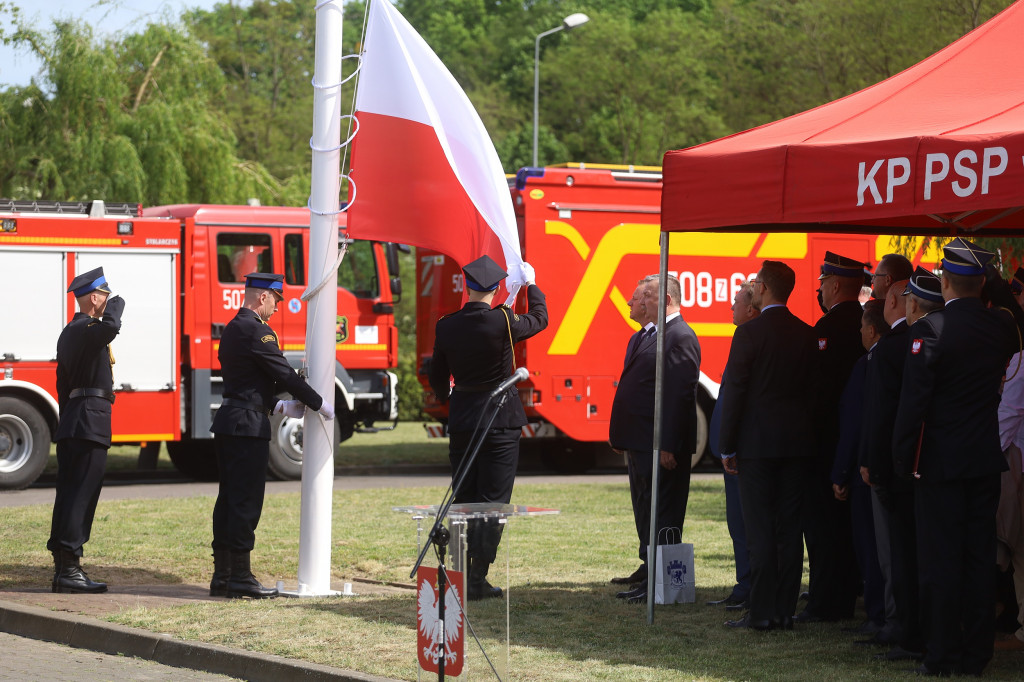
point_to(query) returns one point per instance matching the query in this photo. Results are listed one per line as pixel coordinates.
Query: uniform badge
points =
(915, 347)
(823, 344)
(268, 338)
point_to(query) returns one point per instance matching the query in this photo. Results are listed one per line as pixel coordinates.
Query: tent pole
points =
(652, 548)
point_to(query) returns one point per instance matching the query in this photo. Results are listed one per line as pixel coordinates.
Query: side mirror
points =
(396, 289)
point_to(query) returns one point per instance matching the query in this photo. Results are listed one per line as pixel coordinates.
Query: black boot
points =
(242, 583)
(478, 587)
(221, 572)
(69, 576)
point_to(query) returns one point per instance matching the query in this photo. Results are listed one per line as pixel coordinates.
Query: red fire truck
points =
(591, 232)
(181, 272)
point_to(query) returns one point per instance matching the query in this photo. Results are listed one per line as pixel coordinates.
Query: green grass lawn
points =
(566, 623)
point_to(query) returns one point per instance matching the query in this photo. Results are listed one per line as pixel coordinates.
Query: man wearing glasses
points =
(892, 268)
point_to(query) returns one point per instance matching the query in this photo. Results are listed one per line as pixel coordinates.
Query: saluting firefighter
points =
(85, 391)
(254, 370)
(474, 346)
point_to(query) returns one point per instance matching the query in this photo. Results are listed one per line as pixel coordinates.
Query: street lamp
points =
(570, 22)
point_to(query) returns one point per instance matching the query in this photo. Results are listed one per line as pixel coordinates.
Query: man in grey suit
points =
(767, 422)
(631, 428)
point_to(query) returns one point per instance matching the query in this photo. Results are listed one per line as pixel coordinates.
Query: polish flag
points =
(424, 168)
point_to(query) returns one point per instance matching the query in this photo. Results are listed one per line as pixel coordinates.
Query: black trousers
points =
(903, 547)
(490, 479)
(673, 494)
(80, 467)
(956, 547)
(242, 464)
(771, 490)
(834, 579)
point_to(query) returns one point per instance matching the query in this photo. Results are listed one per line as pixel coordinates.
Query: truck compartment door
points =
(33, 323)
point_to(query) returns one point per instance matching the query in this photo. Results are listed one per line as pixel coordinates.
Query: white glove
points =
(522, 275)
(327, 411)
(290, 408)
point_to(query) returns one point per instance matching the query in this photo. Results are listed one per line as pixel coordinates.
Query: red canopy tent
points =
(937, 149)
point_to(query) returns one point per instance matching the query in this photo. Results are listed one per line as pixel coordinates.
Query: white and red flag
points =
(424, 168)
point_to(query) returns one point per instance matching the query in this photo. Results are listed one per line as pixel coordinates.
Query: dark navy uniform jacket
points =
(955, 363)
(84, 361)
(474, 346)
(255, 371)
(882, 398)
(839, 348)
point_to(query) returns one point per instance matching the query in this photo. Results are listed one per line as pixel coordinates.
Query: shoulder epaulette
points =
(506, 306)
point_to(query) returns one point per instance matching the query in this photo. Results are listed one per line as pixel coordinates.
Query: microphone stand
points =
(439, 536)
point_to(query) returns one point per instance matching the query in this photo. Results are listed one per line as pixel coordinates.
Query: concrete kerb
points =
(86, 633)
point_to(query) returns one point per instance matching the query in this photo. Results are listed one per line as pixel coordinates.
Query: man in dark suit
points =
(474, 347)
(920, 295)
(834, 580)
(847, 484)
(85, 391)
(947, 436)
(254, 370)
(631, 426)
(888, 281)
(767, 422)
(743, 310)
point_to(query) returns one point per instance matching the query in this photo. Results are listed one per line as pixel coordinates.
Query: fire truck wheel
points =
(196, 459)
(286, 446)
(24, 444)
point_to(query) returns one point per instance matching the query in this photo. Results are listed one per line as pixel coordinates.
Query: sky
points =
(107, 18)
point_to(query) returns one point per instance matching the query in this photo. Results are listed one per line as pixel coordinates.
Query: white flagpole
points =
(318, 434)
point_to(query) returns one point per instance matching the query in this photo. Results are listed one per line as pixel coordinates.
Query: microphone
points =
(521, 374)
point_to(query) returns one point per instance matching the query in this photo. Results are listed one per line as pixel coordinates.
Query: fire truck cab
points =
(181, 271)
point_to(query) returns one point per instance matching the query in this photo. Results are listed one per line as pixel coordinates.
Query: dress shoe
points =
(242, 584)
(638, 598)
(731, 600)
(478, 591)
(221, 572)
(746, 622)
(784, 623)
(739, 606)
(635, 592)
(68, 576)
(637, 576)
(898, 653)
(804, 596)
(806, 616)
(477, 586)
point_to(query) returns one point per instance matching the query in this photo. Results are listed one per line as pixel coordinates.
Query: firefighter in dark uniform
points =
(85, 391)
(254, 370)
(834, 578)
(474, 346)
(947, 437)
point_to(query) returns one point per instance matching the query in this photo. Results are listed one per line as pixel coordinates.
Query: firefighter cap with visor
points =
(266, 280)
(88, 282)
(961, 257)
(925, 285)
(841, 266)
(484, 274)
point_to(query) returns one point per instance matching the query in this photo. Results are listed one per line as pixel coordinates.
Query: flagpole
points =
(314, 573)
